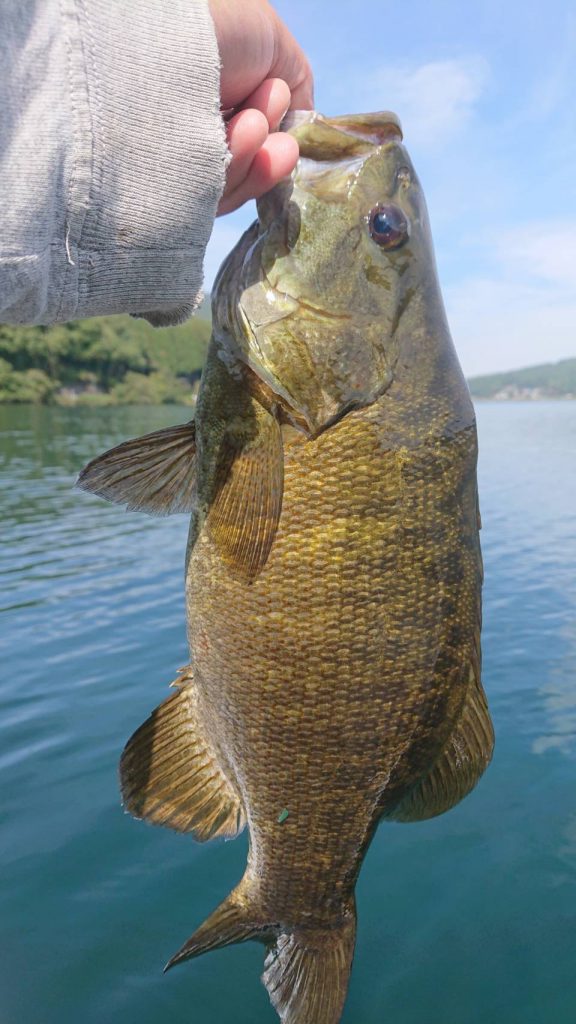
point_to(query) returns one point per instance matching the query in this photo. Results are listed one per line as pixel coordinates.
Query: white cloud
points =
(435, 100)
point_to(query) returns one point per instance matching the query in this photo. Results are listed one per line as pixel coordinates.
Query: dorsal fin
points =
(155, 473)
(170, 775)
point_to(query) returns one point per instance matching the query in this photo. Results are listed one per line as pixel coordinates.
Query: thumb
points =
(291, 64)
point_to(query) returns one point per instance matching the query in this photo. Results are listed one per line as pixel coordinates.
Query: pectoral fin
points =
(170, 776)
(245, 510)
(459, 767)
(155, 473)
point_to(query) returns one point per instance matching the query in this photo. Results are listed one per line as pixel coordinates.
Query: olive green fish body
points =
(343, 666)
(333, 573)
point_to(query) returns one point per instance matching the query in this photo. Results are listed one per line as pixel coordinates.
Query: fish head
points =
(313, 297)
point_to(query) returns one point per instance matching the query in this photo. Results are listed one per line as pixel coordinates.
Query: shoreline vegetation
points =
(113, 360)
(533, 383)
(118, 360)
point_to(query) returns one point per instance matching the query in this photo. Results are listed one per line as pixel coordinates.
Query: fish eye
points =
(388, 226)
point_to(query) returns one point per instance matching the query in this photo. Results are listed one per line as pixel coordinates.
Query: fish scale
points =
(308, 699)
(333, 568)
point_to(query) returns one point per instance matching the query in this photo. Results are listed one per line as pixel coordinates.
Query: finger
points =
(274, 160)
(272, 98)
(246, 134)
(302, 93)
(291, 64)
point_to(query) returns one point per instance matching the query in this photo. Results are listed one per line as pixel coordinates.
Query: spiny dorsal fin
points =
(169, 775)
(155, 473)
(244, 514)
(460, 765)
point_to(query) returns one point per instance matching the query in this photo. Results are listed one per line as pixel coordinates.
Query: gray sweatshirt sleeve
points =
(112, 157)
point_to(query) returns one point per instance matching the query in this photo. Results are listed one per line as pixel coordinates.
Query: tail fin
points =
(306, 973)
(228, 924)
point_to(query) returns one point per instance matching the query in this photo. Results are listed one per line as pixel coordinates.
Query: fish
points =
(333, 567)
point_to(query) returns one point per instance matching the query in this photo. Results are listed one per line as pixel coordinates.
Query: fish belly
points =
(331, 682)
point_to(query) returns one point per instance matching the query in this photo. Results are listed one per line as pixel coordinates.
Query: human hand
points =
(264, 74)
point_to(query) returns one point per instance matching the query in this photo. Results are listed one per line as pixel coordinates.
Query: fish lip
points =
(363, 126)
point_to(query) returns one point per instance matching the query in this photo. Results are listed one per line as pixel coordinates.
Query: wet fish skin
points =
(334, 571)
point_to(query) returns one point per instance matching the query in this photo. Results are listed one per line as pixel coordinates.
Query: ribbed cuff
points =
(150, 157)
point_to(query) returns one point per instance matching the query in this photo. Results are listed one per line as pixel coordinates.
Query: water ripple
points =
(92, 631)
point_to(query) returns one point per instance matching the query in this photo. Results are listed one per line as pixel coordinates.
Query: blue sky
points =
(486, 93)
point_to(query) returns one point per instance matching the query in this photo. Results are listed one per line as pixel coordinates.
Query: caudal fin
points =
(306, 973)
(306, 970)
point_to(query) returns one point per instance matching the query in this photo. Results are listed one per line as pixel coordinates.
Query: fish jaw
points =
(349, 134)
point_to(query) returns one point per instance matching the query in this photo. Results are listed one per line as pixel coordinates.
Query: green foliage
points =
(102, 361)
(179, 350)
(157, 389)
(117, 360)
(552, 379)
(25, 386)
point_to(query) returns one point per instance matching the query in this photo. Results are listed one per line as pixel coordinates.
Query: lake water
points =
(467, 919)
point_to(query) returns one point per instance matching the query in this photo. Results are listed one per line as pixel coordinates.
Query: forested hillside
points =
(117, 360)
(548, 380)
(102, 361)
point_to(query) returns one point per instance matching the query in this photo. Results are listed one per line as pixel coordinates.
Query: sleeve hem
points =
(149, 106)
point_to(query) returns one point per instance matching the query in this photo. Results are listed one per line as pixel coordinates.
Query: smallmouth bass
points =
(333, 571)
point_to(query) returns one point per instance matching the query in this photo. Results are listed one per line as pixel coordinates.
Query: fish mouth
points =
(325, 138)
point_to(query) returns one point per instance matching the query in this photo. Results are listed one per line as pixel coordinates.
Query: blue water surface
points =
(467, 919)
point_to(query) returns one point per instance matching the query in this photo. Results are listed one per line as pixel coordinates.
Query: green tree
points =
(103, 352)
(25, 386)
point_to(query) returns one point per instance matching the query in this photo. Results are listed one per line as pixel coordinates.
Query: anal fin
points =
(169, 774)
(460, 765)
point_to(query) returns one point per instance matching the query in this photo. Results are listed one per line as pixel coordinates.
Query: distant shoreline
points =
(543, 383)
(524, 398)
(102, 401)
(118, 361)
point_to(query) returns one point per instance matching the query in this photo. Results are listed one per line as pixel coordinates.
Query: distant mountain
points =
(549, 380)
